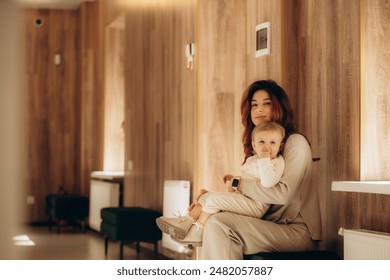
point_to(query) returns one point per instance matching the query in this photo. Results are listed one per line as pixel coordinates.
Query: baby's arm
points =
(227, 177)
(270, 171)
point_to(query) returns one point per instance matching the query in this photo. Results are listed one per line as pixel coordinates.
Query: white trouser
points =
(214, 202)
(228, 236)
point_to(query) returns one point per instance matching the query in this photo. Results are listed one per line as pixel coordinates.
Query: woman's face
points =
(261, 107)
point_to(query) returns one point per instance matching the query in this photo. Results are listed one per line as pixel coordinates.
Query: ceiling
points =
(51, 4)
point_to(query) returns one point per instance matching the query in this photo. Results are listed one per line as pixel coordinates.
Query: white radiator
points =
(106, 188)
(176, 202)
(362, 244)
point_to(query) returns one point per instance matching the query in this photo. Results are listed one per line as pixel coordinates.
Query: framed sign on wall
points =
(263, 39)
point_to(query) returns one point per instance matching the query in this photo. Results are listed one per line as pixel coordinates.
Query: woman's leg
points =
(230, 236)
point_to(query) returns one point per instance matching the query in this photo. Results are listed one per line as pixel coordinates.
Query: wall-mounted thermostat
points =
(263, 39)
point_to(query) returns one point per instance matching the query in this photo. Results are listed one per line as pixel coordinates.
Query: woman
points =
(293, 221)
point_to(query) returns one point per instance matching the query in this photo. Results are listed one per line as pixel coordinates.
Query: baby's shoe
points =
(194, 236)
(176, 227)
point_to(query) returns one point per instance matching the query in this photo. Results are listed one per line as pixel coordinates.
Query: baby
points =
(266, 165)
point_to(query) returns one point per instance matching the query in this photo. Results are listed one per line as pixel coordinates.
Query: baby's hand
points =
(265, 153)
(227, 177)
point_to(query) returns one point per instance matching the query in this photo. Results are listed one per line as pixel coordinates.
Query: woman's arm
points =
(298, 159)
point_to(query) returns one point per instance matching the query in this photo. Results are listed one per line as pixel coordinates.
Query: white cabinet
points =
(106, 191)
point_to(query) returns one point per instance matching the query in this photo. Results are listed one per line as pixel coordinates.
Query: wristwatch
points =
(236, 182)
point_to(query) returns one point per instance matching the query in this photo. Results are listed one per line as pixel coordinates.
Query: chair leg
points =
(83, 227)
(105, 245)
(121, 250)
(156, 250)
(58, 222)
(50, 221)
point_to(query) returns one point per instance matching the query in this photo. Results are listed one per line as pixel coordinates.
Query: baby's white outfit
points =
(268, 171)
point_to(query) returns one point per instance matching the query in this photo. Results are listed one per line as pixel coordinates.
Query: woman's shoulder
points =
(297, 140)
(297, 147)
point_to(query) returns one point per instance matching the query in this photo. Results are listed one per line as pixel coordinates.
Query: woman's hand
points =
(196, 200)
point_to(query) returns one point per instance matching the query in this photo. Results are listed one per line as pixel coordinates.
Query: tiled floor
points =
(71, 245)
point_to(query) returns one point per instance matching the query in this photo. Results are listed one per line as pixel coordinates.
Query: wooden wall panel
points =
(91, 63)
(322, 75)
(268, 66)
(112, 9)
(54, 105)
(143, 99)
(375, 134)
(184, 124)
(160, 99)
(221, 82)
(375, 117)
(179, 98)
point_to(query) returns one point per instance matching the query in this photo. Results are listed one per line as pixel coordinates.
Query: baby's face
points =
(268, 141)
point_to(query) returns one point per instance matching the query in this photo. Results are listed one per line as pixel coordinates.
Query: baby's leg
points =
(211, 203)
(236, 203)
(178, 227)
(200, 215)
(195, 211)
(195, 234)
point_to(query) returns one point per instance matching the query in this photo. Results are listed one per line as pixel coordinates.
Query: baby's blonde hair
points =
(274, 126)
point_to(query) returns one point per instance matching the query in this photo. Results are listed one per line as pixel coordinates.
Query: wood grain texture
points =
(221, 82)
(321, 63)
(375, 117)
(182, 124)
(375, 163)
(92, 90)
(160, 99)
(112, 10)
(65, 101)
(54, 105)
(268, 66)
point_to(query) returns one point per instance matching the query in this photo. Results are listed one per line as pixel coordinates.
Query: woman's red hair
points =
(282, 111)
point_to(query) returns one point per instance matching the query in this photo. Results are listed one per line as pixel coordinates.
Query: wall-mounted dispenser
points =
(190, 53)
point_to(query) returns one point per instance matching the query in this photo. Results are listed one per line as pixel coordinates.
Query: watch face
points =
(235, 182)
